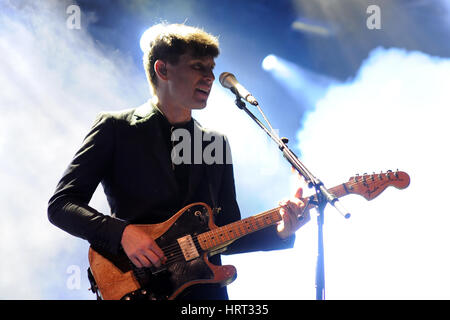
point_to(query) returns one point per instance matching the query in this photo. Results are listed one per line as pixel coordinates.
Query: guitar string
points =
(352, 183)
(180, 256)
(174, 251)
(216, 232)
(370, 179)
(174, 248)
(177, 255)
(251, 225)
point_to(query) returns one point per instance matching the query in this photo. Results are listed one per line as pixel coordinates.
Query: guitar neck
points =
(222, 236)
(368, 186)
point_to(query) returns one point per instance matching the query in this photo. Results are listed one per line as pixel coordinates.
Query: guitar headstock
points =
(371, 185)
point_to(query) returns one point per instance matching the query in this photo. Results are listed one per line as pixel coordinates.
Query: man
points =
(129, 152)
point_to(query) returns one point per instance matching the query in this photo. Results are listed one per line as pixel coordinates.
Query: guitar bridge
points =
(188, 247)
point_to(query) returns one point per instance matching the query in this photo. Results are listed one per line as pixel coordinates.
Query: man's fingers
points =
(285, 217)
(296, 213)
(146, 259)
(293, 215)
(142, 250)
(294, 207)
(152, 258)
(136, 262)
(299, 193)
(155, 254)
(283, 224)
(157, 250)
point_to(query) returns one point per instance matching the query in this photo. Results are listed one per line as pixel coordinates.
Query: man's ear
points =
(160, 69)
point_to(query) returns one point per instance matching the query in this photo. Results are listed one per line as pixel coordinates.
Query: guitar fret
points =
(220, 236)
(241, 228)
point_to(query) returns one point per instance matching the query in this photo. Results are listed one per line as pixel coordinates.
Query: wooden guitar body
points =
(117, 278)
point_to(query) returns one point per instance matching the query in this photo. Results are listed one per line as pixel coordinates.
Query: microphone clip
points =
(239, 102)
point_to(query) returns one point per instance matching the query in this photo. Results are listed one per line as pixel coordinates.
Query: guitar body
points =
(188, 265)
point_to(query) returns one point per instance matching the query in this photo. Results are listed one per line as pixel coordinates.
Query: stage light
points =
(312, 27)
(303, 85)
(269, 62)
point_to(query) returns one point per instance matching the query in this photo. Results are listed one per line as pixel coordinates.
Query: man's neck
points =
(173, 114)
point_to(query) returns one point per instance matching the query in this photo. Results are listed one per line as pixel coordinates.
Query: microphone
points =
(228, 80)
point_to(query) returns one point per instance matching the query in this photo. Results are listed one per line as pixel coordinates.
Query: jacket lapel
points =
(196, 169)
(152, 141)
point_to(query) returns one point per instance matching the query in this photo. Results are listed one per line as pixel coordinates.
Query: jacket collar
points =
(143, 111)
(148, 109)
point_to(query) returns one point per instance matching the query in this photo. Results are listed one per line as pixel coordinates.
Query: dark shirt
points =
(181, 170)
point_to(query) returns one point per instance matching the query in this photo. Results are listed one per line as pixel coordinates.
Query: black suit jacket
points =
(128, 153)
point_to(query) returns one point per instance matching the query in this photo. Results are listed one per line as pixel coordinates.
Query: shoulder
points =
(127, 116)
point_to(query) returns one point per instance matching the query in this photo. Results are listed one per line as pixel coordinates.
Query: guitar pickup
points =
(188, 247)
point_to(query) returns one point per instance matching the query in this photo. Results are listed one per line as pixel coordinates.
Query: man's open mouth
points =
(202, 90)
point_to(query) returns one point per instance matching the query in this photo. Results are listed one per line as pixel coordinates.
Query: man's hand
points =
(293, 215)
(141, 248)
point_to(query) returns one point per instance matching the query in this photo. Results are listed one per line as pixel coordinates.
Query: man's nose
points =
(209, 76)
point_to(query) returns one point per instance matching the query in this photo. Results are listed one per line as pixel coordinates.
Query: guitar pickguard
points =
(179, 270)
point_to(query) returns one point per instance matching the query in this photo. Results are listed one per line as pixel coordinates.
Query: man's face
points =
(190, 81)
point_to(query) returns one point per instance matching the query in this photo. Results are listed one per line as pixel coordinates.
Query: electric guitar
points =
(190, 236)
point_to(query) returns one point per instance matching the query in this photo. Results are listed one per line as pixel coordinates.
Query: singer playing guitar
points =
(131, 154)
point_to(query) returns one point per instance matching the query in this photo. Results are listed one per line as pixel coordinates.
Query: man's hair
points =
(167, 42)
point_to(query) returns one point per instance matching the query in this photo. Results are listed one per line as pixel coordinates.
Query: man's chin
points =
(199, 106)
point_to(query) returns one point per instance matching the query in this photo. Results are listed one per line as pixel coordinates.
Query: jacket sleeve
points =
(69, 207)
(263, 240)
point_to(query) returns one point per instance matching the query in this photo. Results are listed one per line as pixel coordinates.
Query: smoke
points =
(393, 115)
(53, 82)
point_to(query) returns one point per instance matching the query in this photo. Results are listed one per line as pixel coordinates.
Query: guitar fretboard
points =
(222, 236)
(219, 237)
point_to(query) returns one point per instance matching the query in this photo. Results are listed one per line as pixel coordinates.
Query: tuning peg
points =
(387, 174)
(364, 179)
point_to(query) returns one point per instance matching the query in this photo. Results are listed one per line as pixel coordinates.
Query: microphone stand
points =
(323, 195)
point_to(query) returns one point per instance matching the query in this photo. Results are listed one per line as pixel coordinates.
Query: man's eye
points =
(201, 67)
